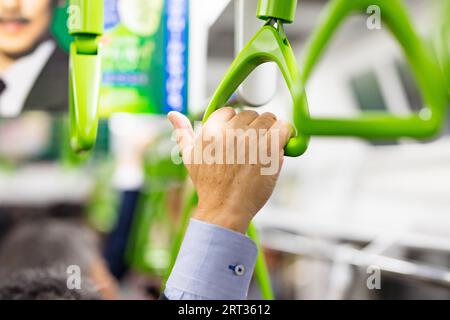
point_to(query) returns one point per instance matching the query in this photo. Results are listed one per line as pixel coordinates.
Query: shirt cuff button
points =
(239, 270)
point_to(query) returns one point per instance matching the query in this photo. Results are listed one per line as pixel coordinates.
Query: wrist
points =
(226, 218)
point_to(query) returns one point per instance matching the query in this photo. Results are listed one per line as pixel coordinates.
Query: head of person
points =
(51, 259)
(23, 25)
(43, 284)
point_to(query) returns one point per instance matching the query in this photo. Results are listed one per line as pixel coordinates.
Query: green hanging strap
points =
(85, 23)
(269, 44)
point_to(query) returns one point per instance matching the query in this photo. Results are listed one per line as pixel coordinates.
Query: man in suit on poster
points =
(33, 69)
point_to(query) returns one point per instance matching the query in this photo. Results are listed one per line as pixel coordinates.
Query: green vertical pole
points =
(189, 206)
(261, 271)
(85, 23)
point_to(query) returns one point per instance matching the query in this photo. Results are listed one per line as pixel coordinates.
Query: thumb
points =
(183, 130)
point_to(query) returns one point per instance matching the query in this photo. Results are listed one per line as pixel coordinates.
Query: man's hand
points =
(231, 178)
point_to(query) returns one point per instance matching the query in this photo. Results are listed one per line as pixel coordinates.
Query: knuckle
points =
(286, 126)
(226, 110)
(269, 115)
(248, 113)
(265, 121)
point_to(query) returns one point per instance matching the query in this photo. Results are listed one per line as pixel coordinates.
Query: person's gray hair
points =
(48, 243)
(44, 284)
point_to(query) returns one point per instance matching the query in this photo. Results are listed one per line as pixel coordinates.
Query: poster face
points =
(34, 80)
(144, 56)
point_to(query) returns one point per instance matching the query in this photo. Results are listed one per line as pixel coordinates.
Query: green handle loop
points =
(86, 24)
(84, 82)
(269, 44)
(423, 124)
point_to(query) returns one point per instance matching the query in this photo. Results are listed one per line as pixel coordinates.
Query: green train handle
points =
(268, 44)
(85, 24)
(271, 44)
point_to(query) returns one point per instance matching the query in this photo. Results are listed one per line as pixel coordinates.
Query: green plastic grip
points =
(269, 44)
(84, 97)
(85, 23)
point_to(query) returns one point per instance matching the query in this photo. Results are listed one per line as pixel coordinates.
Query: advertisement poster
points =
(144, 56)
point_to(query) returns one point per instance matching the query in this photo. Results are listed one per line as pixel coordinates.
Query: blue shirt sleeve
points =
(214, 263)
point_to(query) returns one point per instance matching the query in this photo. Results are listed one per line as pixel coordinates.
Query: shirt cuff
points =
(214, 263)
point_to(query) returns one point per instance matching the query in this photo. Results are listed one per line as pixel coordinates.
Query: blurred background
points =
(345, 210)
